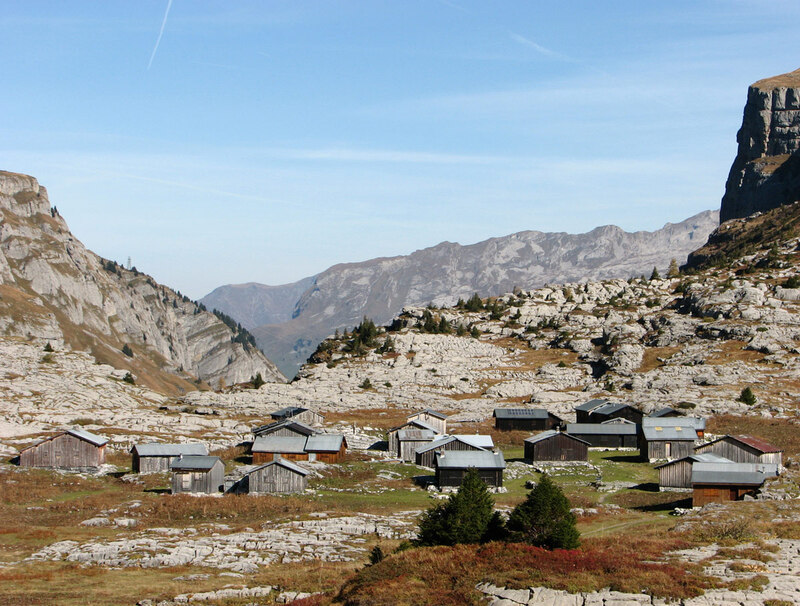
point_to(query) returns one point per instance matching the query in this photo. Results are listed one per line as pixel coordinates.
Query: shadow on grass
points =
(118, 474)
(379, 445)
(157, 490)
(424, 481)
(647, 487)
(631, 458)
(685, 503)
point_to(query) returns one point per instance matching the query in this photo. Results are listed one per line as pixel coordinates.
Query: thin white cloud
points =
(160, 34)
(539, 48)
(340, 154)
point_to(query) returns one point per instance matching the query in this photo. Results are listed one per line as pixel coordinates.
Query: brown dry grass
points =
(733, 351)
(783, 433)
(650, 359)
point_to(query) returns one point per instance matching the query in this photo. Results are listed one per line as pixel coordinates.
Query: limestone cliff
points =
(52, 287)
(766, 171)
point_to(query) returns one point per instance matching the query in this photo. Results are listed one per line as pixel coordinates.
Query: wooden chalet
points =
(391, 435)
(677, 474)
(584, 411)
(71, 449)
(720, 482)
(555, 445)
(670, 437)
(290, 427)
(452, 465)
(611, 411)
(197, 475)
(426, 455)
(525, 419)
(743, 449)
(408, 440)
(435, 419)
(328, 448)
(297, 413)
(606, 435)
(155, 457)
(278, 476)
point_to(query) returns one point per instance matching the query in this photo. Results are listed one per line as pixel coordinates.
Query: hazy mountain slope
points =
(380, 288)
(52, 287)
(255, 304)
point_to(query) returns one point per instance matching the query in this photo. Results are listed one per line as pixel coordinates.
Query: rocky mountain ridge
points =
(766, 171)
(53, 288)
(379, 288)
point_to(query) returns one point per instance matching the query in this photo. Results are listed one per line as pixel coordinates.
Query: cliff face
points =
(380, 288)
(766, 171)
(52, 287)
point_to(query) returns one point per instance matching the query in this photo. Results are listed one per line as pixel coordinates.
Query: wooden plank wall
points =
(558, 448)
(677, 475)
(64, 451)
(277, 479)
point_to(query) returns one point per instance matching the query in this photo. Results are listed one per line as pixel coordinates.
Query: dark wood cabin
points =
(743, 449)
(437, 420)
(721, 482)
(391, 435)
(284, 428)
(611, 411)
(583, 411)
(451, 466)
(525, 419)
(666, 412)
(156, 458)
(197, 475)
(606, 435)
(677, 474)
(277, 477)
(268, 448)
(71, 449)
(554, 445)
(297, 413)
(426, 455)
(408, 440)
(326, 447)
(669, 438)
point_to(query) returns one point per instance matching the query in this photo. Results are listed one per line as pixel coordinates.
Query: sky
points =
(228, 142)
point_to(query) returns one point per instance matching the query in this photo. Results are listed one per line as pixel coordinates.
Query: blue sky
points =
(266, 141)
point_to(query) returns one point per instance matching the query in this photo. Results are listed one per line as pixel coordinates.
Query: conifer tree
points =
(673, 271)
(655, 275)
(543, 519)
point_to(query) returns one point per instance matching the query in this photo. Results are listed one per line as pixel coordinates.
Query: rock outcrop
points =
(53, 288)
(766, 171)
(341, 295)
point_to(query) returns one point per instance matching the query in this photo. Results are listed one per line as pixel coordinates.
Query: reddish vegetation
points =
(783, 433)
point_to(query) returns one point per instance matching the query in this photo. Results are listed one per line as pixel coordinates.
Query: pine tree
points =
(466, 517)
(474, 303)
(126, 349)
(543, 519)
(673, 271)
(655, 275)
(257, 380)
(748, 397)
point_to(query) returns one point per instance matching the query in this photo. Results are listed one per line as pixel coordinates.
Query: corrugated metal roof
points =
(283, 463)
(289, 411)
(591, 405)
(324, 442)
(280, 444)
(669, 432)
(624, 429)
(610, 408)
(549, 434)
(431, 412)
(747, 474)
(697, 458)
(415, 434)
(617, 421)
(697, 423)
(476, 440)
(295, 425)
(757, 443)
(521, 413)
(464, 459)
(89, 437)
(415, 423)
(663, 412)
(194, 462)
(155, 449)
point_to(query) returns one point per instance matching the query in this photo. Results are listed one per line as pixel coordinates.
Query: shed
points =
(669, 437)
(197, 475)
(678, 473)
(666, 412)
(268, 448)
(71, 449)
(743, 449)
(425, 455)
(526, 419)
(554, 445)
(278, 476)
(583, 411)
(155, 457)
(452, 465)
(408, 440)
(610, 411)
(391, 435)
(720, 482)
(326, 447)
(289, 427)
(606, 435)
(298, 413)
(437, 420)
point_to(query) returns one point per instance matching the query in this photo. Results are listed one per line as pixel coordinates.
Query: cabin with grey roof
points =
(72, 449)
(155, 457)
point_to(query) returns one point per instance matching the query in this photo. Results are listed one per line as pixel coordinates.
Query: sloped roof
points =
(591, 405)
(623, 429)
(663, 412)
(521, 413)
(697, 423)
(551, 433)
(194, 462)
(324, 442)
(155, 449)
(415, 434)
(429, 411)
(611, 408)
(280, 444)
(706, 457)
(415, 423)
(669, 432)
(88, 436)
(740, 474)
(283, 463)
(474, 440)
(297, 426)
(757, 443)
(464, 459)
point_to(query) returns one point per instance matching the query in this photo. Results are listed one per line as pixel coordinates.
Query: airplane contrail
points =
(160, 33)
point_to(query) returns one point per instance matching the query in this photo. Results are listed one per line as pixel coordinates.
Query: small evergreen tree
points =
(543, 519)
(655, 275)
(257, 381)
(466, 517)
(474, 303)
(126, 349)
(748, 397)
(48, 348)
(376, 555)
(128, 378)
(366, 384)
(444, 326)
(673, 271)
(474, 332)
